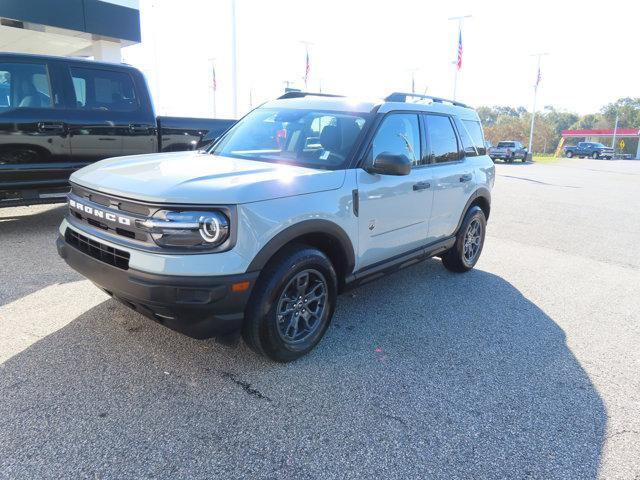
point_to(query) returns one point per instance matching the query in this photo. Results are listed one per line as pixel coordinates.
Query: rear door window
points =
(24, 85)
(442, 139)
(106, 90)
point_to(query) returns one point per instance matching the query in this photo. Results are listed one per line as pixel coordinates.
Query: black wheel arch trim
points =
(306, 227)
(481, 192)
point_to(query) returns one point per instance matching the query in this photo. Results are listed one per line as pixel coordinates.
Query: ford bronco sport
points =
(305, 197)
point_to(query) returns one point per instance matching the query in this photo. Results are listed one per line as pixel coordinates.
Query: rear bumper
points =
(200, 307)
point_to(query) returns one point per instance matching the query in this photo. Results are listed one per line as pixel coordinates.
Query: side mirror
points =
(388, 164)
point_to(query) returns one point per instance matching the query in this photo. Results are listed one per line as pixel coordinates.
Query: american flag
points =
(306, 70)
(538, 78)
(215, 82)
(459, 63)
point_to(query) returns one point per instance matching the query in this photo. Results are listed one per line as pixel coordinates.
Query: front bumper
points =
(198, 306)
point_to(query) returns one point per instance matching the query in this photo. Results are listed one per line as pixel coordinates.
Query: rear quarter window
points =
(472, 138)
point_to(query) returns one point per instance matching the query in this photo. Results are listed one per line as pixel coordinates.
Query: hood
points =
(198, 178)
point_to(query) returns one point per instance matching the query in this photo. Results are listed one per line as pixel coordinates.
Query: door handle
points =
(421, 186)
(51, 127)
(465, 178)
(137, 127)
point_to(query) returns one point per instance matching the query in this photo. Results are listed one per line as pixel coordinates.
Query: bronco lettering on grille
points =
(98, 213)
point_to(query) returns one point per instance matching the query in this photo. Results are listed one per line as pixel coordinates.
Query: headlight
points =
(187, 229)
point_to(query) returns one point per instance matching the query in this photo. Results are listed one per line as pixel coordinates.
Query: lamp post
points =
(234, 59)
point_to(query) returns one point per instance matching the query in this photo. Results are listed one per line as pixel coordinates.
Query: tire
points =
(569, 154)
(277, 335)
(595, 155)
(455, 258)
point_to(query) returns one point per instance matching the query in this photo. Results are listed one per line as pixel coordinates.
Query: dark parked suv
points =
(61, 114)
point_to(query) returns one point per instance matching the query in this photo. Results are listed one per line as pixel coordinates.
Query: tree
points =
(628, 111)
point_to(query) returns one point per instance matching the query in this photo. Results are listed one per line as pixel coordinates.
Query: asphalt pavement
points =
(526, 367)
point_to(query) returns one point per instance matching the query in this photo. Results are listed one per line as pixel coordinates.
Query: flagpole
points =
(307, 66)
(214, 84)
(535, 98)
(455, 78)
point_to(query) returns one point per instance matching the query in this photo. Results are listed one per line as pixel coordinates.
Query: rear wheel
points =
(469, 242)
(292, 304)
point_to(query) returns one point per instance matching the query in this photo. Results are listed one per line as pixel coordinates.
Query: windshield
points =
(506, 145)
(310, 138)
(599, 145)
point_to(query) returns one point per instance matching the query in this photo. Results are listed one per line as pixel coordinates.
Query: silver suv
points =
(304, 198)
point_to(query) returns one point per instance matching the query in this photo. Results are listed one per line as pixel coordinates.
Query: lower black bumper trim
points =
(200, 307)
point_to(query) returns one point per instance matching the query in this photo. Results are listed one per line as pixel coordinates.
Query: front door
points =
(34, 144)
(394, 210)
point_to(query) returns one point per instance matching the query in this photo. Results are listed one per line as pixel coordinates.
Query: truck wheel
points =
(569, 154)
(292, 304)
(594, 155)
(469, 242)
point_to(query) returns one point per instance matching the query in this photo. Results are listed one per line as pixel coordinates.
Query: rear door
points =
(34, 145)
(110, 113)
(394, 210)
(453, 181)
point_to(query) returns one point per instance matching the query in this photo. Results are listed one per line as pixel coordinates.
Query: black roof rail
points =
(294, 94)
(402, 97)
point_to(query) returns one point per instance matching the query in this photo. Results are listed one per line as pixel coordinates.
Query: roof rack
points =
(294, 94)
(402, 97)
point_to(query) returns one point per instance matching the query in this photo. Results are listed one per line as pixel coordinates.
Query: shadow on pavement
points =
(28, 254)
(425, 374)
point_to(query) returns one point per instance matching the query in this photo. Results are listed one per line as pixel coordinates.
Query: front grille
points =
(97, 250)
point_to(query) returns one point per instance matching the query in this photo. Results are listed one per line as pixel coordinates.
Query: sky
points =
(370, 49)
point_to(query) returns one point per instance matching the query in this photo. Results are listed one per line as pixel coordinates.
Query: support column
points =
(106, 51)
(638, 150)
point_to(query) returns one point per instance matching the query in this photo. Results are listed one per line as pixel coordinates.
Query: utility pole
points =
(615, 133)
(535, 98)
(234, 59)
(458, 62)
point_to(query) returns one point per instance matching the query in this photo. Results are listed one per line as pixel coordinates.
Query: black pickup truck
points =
(60, 114)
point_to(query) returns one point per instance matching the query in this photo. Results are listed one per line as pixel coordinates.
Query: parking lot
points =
(526, 367)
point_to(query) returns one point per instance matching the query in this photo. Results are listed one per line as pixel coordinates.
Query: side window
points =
(398, 134)
(97, 89)
(24, 85)
(442, 139)
(472, 136)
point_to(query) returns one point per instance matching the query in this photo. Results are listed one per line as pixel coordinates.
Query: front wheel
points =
(569, 154)
(594, 155)
(292, 305)
(469, 242)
